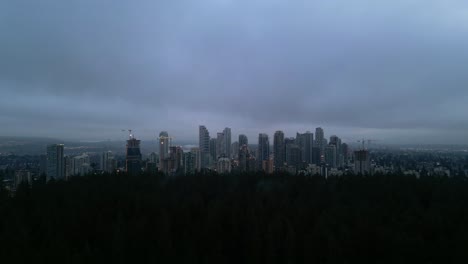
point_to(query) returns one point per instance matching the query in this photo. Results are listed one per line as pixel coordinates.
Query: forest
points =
(237, 218)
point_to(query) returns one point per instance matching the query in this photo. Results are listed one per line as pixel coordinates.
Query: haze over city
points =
(391, 70)
(233, 131)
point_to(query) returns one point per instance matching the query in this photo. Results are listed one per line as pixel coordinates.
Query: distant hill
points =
(25, 145)
(37, 146)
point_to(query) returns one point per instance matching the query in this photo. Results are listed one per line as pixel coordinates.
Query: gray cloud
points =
(86, 69)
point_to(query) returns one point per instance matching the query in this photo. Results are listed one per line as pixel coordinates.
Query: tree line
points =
(237, 218)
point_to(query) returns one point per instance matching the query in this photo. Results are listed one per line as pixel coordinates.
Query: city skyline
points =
(154, 138)
(391, 70)
(232, 131)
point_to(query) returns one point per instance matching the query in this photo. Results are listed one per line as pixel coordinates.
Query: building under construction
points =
(133, 158)
(362, 162)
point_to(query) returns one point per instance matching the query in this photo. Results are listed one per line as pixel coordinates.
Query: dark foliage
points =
(246, 218)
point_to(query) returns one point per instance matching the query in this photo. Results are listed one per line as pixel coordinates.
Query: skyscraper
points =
(244, 155)
(190, 161)
(345, 152)
(133, 156)
(163, 146)
(23, 176)
(43, 164)
(320, 139)
(235, 150)
(105, 160)
(243, 140)
(152, 164)
(336, 141)
(80, 165)
(153, 157)
(293, 153)
(316, 155)
(227, 142)
(300, 141)
(174, 163)
(67, 163)
(305, 142)
(361, 162)
(330, 155)
(267, 166)
(224, 165)
(220, 146)
(55, 162)
(151, 167)
(213, 154)
(279, 150)
(204, 147)
(178, 155)
(223, 144)
(263, 151)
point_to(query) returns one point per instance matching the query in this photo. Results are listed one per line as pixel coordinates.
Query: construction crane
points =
(164, 138)
(130, 135)
(364, 141)
(369, 142)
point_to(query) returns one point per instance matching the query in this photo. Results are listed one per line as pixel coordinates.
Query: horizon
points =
(377, 143)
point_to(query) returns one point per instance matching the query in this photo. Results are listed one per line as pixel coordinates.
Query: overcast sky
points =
(390, 70)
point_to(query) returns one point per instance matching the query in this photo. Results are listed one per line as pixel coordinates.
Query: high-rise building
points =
(153, 157)
(279, 150)
(55, 162)
(362, 162)
(320, 139)
(251, 164)
(133, 156)
(109, 163)
(263, 150)
(300, 142)
(220, 145)
(293, 153)
(213, 148)
(204, 147)
(336, 141)
(288, 142)
(235, 150)
(68, 163)
(243, 140)
(224, 165)
(190, 161)
(152, 164)
(106, 158)
(305, 142)
(247, 161)
(227, 142)
(330, 155)
(268, 166)
(175, 162)
(316, 156)
(177, 154)
(244, 155)
(345, 152)
(151, 167)
(223, 144)
(112, 164)
(23, 176)
(81, 165)
(163, 146)
(43, 164)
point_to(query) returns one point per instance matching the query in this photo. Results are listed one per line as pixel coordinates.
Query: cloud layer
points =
(393, 70)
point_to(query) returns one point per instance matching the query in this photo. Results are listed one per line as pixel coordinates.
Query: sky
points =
(395, 71)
